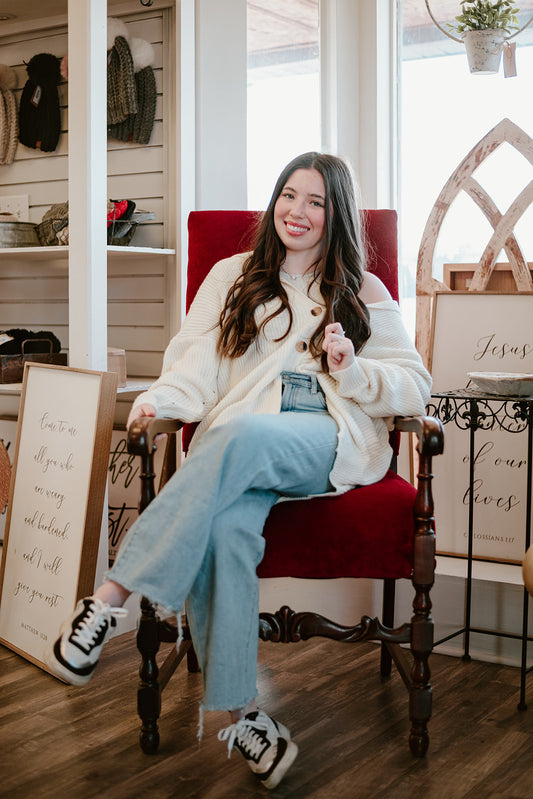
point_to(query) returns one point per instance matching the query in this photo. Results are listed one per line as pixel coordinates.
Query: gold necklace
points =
(292, 277)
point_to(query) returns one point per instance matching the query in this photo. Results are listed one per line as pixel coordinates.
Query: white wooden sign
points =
(474, 332)
(56, 502)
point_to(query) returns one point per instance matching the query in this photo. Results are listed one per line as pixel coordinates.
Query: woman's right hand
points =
(146, 409)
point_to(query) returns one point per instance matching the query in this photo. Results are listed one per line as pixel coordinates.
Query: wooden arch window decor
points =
(503, 224)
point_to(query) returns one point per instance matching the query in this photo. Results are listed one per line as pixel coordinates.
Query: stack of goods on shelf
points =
(52, 230)
(19, 345)
(122, 221)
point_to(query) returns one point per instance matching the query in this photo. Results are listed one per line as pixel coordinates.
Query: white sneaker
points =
(74, 656)
(266, 745)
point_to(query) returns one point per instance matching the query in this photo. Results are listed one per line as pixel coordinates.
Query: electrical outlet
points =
(16, 204)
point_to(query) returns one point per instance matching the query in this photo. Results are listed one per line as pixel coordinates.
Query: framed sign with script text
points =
(125, 488)
(482, 332)
(56, 502)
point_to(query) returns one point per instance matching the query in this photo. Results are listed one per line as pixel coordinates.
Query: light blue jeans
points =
(200, 540)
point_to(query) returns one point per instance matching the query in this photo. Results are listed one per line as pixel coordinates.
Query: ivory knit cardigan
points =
(387, 379)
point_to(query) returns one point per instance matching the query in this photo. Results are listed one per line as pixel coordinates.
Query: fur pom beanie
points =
(115, 27)
(8, 115)
(121, 91)
(138, 127)
(39, 114)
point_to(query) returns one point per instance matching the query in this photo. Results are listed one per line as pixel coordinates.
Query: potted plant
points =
(484, 26)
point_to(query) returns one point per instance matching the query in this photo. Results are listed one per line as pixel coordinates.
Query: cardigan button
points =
(316, 311)
(301, 346)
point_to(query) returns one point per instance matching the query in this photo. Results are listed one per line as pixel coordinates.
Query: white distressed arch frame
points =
(503, 226)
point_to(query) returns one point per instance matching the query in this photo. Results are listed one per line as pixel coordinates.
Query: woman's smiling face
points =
(299, 213)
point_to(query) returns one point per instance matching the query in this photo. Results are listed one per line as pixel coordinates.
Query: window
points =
(444, 112)
(283, 89)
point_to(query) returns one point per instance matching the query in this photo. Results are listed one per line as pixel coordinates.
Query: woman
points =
(294, 360)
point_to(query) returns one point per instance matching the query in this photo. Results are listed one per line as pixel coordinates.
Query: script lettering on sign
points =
(54, 504)
(125, 488)
(482, 333)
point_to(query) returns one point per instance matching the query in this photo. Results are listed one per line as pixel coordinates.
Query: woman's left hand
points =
(339, 349)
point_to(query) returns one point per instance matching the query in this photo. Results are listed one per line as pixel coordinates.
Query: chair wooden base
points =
(285, 626)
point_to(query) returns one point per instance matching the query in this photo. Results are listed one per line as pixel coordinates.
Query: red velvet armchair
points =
(383, 531)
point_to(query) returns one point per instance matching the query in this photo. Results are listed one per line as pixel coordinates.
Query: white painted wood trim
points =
(186, 139)
(221, 104)
(377, 103)
(87, 167)
(359, 63)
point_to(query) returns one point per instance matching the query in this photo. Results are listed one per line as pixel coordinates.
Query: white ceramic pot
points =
(484, 50)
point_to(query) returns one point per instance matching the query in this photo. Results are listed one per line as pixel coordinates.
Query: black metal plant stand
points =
(474, 410)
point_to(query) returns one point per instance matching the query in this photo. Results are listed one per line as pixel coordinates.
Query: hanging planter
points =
(484, 50)
(484, 27)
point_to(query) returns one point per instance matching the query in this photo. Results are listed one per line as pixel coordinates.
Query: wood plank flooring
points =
(351, 727)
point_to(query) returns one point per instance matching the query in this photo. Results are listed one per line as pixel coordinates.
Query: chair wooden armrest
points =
(145, 429)
(142, 440)
(428, 430)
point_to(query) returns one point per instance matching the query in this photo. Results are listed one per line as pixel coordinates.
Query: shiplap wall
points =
(34, 289)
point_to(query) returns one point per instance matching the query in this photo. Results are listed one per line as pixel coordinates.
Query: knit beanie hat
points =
(116, 27)
(138, 127)
(39, 114)
(121, 90)
(8, 115)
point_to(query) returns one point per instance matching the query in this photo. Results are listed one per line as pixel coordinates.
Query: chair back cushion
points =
(214, 235)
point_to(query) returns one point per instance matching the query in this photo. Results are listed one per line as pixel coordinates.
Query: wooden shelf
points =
(53, 253)
(134, 386)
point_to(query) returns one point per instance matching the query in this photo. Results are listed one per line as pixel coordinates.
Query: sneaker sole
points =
(63, 672)
(283, 766)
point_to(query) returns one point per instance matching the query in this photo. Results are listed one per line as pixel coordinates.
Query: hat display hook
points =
(455, 39)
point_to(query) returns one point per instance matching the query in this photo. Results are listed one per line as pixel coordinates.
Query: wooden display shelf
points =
(134, 385)
(52, 253)
(458, 277)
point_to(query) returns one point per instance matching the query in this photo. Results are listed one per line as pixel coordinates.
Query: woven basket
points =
(18, 234)
(47, 231)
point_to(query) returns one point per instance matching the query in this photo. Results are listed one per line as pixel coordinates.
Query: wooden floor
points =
(59, 741)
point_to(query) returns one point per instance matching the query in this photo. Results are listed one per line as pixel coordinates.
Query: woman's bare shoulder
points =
(373, 290)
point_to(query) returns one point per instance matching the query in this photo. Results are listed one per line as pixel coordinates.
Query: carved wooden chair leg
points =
(149, 691)
(389, 593)
(420, 692)
(422, 623)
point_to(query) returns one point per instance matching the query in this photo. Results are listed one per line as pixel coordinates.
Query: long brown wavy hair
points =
(339, 269)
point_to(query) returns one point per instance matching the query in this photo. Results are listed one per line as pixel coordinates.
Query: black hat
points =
(39, 114)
